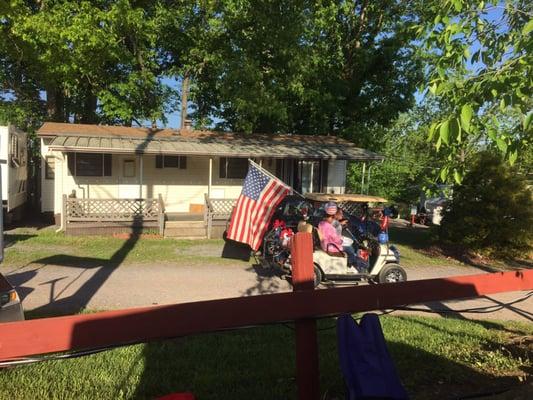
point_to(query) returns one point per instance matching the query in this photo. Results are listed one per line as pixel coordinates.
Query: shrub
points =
(492, 211)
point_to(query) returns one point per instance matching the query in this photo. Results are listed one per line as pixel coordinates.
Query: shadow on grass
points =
(11, 239)
(423, 241)
(81, 297)
(260, 364)
(416, 238)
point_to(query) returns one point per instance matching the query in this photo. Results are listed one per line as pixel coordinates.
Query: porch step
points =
(185, 229)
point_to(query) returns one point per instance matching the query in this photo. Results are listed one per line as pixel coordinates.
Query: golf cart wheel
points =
(318, 275)
(392, 273)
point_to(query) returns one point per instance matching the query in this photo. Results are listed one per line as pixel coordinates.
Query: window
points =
(233, 168)
(14, 151)
(89, 164)
(171, 162)
(49, 167)
(129, 169)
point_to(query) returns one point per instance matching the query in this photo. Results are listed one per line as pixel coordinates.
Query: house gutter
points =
(217, 154)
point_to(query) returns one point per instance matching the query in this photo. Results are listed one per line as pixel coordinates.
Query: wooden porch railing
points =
(217, 210)
(136, 211)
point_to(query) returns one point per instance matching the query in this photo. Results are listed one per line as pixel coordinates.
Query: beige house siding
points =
(48, 185)
(179, 188)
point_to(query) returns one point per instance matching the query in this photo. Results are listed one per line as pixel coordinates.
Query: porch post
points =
(210, 181)
(140, 176)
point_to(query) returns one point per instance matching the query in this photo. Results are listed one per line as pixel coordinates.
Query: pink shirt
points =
(329, 235)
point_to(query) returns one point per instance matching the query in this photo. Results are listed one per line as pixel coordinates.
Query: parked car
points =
(10, 304)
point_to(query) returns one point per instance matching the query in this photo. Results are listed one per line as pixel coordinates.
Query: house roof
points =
(129, 140)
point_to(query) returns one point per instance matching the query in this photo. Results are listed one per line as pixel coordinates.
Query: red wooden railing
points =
(304, 305)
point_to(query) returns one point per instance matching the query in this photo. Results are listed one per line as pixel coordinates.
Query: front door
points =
(128, 187)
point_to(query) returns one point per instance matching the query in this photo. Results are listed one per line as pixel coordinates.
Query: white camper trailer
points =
(14, 164)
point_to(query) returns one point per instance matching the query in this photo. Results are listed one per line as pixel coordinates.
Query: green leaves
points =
(527, 121)
(458, 176)
(466, 117)
(502, 144)
(444, 132)
(444, 174)
(527, 27)
(432, 130)
(494, 80)
(513, 156)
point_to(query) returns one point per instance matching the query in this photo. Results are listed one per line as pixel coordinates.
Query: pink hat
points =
(330, 208)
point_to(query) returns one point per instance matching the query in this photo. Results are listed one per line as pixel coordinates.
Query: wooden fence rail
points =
(109, 328)
(114, 210)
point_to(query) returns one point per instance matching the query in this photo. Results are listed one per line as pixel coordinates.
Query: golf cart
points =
(369, 239)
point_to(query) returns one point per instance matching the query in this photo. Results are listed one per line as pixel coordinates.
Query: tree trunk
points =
(55, 104)
(184, 95)
(89, 109)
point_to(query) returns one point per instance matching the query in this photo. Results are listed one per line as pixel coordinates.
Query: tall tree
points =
(90, 60)
(411, 163)
(307, 67)
(481, 61)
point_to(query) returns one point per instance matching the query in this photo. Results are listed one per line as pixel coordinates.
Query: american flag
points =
(259, 198)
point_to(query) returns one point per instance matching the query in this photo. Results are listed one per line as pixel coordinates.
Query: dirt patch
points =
(202, 250)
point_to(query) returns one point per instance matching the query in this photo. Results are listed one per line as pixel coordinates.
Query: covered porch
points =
(176, 183)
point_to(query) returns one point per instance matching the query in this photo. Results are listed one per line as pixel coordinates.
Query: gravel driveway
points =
(49, 289)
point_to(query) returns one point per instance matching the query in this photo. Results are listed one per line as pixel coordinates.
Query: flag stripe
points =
(246, 225)
(264, 217)
(260, 195)
(260, 220)
(233, 226)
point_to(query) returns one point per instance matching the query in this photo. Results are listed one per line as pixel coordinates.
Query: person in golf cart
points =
(331, 240)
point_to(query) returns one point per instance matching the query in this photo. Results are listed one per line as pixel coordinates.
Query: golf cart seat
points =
(317, 238)
(332, 249)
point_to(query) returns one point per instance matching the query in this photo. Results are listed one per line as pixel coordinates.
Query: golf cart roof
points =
(340, 198)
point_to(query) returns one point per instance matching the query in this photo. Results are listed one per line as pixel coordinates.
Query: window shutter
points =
(71, 161)
(108, 165)
(183, 162)
(159, 161)
(222, 167)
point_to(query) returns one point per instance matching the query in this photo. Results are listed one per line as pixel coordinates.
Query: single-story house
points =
(93, 174)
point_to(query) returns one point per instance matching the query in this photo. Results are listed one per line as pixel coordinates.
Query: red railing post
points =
(307, 375)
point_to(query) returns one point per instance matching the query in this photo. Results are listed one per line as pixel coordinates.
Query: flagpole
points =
(274, 177)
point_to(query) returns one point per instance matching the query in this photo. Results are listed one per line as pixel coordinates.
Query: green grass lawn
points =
(436, 358)
(26, 245)
(412, 243)
(45, 246)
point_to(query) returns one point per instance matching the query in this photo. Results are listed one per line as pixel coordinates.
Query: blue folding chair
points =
(366, 364)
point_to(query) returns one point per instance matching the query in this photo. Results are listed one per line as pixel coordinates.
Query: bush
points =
(492, 211)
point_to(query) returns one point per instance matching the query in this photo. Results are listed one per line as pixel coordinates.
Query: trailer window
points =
(50, 163)
(89, 164)
(14, 151)
(163, 161)
(233, 168)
